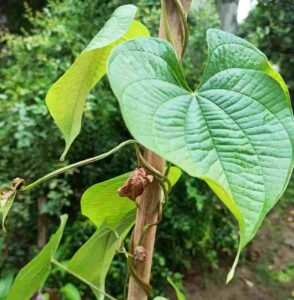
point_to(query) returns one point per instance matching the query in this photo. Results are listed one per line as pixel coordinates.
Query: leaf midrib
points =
(247, 138)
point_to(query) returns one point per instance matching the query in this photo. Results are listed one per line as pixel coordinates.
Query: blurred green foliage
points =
(196, 230)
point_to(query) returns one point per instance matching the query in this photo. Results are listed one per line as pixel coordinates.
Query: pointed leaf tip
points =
(233, 268)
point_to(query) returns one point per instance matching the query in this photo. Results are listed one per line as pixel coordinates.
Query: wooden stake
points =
(147, 212)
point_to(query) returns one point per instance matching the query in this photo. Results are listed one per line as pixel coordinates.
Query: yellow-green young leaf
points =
(236, 131)
(32, 276)
(102, 204)
(93, 259)
(66, 98)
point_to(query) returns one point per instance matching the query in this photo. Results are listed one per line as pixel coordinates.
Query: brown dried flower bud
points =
(17, 182)
(136, 184)
(140, 254)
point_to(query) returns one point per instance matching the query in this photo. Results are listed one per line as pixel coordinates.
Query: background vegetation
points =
(39, 41)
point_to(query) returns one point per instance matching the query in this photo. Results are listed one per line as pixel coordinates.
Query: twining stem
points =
(91, 285)
(77, 164)
(181, 12)
(185, 33)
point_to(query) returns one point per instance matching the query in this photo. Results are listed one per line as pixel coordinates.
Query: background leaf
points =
(180, 295)
(235, 131)
(5, 284)
(70, 292)
(66, 98)
(31, 277)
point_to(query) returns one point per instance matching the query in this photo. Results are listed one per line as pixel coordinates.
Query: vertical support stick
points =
(42, 223)
(147, 212)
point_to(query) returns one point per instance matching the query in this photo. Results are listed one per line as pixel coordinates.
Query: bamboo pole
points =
(147, 208)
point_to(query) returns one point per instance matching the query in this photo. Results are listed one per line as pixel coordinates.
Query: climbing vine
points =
(235, 132)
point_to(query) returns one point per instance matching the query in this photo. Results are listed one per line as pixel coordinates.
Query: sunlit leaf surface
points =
(235, 131)
(66, 98)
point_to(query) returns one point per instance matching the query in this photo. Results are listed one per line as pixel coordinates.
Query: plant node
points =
(140, 254)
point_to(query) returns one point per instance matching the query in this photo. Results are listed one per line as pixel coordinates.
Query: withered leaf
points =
(7, 197)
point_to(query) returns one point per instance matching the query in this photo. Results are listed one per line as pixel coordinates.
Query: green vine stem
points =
(77, 164)
(91, 285)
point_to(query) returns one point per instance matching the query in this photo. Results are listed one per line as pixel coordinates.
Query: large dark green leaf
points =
(32, 276)
(235, 131)
(66, 98)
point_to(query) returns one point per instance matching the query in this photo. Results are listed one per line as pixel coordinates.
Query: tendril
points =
(77, 164)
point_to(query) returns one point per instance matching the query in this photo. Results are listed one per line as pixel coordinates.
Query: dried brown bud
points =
(140, 254)
(136, 184)
(17, 182)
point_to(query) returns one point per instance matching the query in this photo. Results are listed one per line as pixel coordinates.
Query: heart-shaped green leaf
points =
(66, 98)
(235, 131)
(32, 276)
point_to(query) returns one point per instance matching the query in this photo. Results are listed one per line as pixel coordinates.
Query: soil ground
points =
(266, 272)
